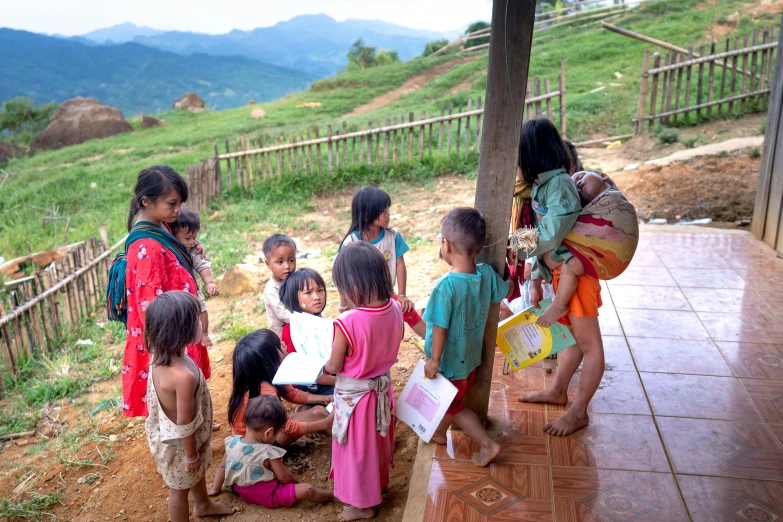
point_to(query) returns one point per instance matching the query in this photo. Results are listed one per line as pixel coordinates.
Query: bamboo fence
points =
(35, 311)
(569, 15)
(730, 78)
(249, 160)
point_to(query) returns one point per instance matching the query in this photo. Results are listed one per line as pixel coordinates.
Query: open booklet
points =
(423, 402)
(523, 342)
(312, 337)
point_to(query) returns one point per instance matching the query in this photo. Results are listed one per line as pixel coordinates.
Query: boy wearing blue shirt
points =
(456, 315)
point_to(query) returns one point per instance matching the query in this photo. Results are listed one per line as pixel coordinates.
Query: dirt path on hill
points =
(413, 83)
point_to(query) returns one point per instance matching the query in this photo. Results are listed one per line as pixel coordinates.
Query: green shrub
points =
(689, 142)
(237, 331)
(667, 136)
(754, 152)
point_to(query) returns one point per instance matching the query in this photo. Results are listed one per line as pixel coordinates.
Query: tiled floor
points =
(687, 424)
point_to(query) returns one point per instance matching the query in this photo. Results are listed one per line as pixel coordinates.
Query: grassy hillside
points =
(63, 178)
(134, 78)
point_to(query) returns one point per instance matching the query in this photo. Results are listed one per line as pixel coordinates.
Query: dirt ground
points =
(128, 487)
(413, 83)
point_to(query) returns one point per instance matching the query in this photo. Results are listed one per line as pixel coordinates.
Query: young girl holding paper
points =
(304, 291)
(256, 359)
(366, 341)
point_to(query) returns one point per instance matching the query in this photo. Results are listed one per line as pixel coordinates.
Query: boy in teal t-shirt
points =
(456, 315)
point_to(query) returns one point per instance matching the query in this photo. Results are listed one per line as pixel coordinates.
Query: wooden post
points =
(549, 113)
(104, 233)
(530, 108)
(497, 162)
(767, 217)
(680, 72)
(410, 139)
(361, 147)
(345, 145)
(478, 127)
(537, 92)
(744, 68)
(459, 129)
(754, 83)
(688, 83)
(642, 94)
(762, 79)
(724, 73)
(353, 149)
(394, 142)
(448, 139)
(378, 144)
(562, 98)
(369, 144)
(329, 148)
(440, 127)
(733, 85)
(229, 174)
(700, 86)
(467, 130)
(670, 86)
(711, 80)
(421, 137)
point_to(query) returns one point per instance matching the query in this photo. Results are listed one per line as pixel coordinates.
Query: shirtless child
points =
(590, 185)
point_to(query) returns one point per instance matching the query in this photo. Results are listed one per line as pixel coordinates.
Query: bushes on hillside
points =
(435, 46)
(363, 56)
(472, 28)
(20, 119)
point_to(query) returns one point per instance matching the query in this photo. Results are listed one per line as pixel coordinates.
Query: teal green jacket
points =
(557, 206)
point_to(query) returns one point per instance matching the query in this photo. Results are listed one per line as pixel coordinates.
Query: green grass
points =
(60, 181)
(33, 508)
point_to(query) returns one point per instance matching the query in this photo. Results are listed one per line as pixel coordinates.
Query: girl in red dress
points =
(155, 264)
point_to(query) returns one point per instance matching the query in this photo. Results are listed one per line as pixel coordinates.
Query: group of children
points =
(356, 380)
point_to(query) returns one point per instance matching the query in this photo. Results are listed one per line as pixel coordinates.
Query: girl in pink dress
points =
(366, 341)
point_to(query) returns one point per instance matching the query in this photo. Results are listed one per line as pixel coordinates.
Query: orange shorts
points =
(586, 299)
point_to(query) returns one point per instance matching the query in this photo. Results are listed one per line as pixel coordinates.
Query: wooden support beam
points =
(509, 54)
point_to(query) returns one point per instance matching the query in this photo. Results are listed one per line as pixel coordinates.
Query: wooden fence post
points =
(643, 94)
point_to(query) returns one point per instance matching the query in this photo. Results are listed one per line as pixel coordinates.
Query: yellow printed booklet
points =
(523, 342)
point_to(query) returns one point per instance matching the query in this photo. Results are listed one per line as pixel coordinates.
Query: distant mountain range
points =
(316, 44)
(132, 77)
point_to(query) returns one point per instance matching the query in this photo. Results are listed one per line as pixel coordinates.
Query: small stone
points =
(112, 438)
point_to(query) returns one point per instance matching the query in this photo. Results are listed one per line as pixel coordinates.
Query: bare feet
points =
(213, 509)
(439, 439)
(552, 314)
(213, 490)
(354, 513)
(570, 422)
(549, 396)
(215, 426)
(486, 454)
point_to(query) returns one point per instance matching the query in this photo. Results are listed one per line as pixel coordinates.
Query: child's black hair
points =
(576, 163)
(465, 229)
(368, 204)
(541, 149)
(187, 221)
(154, 183)
(276, 240)
(361, 274)
(296, 282)
(265, 412)
(256, 360)
(170, 325)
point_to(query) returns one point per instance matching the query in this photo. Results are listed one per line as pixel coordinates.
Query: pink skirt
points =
(271, 494)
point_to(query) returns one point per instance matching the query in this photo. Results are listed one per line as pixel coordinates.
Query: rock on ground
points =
(239, 279)
(148, 122)
(258, 113)
(78, 120)
(190, 102)
(8, 151)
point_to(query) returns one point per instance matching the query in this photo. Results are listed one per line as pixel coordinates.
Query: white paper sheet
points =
(312, 335)
(298, 368)
(423, 402)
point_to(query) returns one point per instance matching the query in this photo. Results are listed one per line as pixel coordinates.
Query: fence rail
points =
(401, 140)
(737, 80)
(36, 310)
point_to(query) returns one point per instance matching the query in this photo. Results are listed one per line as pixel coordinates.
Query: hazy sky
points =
(72, 17)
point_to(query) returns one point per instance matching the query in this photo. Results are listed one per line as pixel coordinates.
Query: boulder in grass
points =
(8, 151)
(239, 279)
(147, 122)
(78, 120)
(191, 102)
(251, 102)
(258, 113)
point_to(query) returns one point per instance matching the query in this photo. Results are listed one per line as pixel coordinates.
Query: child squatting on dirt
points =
(186, 229)
(179, 425)
(456, 315)
(254, 467)
(280, 258)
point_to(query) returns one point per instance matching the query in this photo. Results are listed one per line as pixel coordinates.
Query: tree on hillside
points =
(363, 56)
(432, 47)
(20, 119)
(472, 28)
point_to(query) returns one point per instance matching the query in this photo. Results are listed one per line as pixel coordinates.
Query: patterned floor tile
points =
(763, 361)
(699, 396)
(616, 496)
(649, 297)
(724, 300)
(661, 323)
(637, 275)
(736, 500)
(678, 356)
(722, 448)
(767, 394)
(707, 278)
(619, 392)
(612, 441)
(757, 327)
(617, 356)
